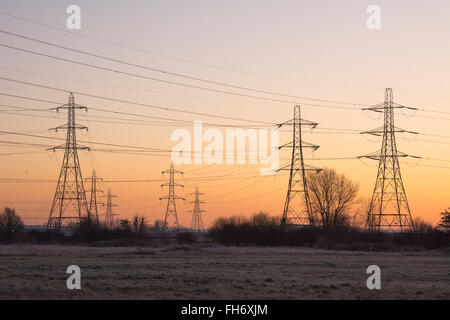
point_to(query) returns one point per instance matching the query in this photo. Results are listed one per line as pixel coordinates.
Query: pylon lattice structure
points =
(69, 203)
(297, 209)
(197, 222)
(389, 208)
(110, 216)
(93, 204)
(171, 217)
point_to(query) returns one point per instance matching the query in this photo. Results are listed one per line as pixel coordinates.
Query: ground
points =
(189, 272)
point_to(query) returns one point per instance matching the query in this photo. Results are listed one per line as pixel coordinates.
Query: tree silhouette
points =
(125, 225)
(332, 196)
(139, 224)
(421, 226)
(445, 220)
(10, 222)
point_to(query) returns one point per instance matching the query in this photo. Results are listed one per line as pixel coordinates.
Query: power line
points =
(196, 179)
(28, 98)
(249, 198)
(236, 190)
(185, 121)
(204, 178)
(131, 102)
(175, 122)
(130, 88)
(433, 118)
(181, 59)
(165, 72)
(24, 143)
(432, 111)
(97, 143)
(139, 149)
(135, 114)
(101, 97)
(21, 153)
(153, 117)
(193, 86)
(168, 72)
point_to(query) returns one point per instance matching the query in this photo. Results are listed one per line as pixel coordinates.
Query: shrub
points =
(10, 223)
(261, 229)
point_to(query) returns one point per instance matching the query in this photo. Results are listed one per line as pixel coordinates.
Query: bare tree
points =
(139, 224)
(332, 196)
(359, 218)
(421, 226)
(125, 225)
(445, 220)
(10, 222)
(262, 219)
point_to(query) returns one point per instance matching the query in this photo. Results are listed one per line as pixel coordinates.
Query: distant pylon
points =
(93, 204)
(389, 207)
(110, 215)
(70, 190)
(298, 213)
(197, 222)
(171, 209)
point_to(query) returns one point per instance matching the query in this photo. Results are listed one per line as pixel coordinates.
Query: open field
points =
(183, 272)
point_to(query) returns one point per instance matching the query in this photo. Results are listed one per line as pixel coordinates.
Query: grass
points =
(212, 272)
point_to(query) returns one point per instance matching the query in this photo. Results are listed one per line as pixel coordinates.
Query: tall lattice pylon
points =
(69, 203)
(197, 221)
(297, 208)
(171, 217)
(110, 216)
(93, 204)
(389, 209)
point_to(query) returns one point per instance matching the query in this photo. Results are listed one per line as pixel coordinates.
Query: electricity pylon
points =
(110, 215)
(297, 208)
(171, 209)
(197, 222)
(389, 207)
(70, 190)
(93, 208)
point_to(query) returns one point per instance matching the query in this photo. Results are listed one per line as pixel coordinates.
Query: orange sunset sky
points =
(308, 49)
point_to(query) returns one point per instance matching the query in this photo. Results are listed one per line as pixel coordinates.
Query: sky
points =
(313, 49)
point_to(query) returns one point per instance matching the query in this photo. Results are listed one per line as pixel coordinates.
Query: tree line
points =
(333, 197)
